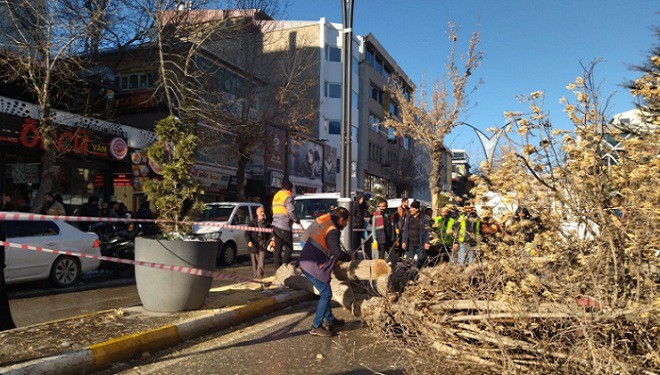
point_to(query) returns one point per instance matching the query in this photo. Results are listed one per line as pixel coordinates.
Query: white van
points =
(308, 208)
(232, 240)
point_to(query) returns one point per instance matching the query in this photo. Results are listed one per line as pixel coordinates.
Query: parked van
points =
(232, 240)
(308, 208)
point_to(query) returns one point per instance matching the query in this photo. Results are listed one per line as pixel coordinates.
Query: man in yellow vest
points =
(284, 215)
(322, 249)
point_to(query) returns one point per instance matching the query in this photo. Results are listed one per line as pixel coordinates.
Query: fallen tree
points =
(576, 294)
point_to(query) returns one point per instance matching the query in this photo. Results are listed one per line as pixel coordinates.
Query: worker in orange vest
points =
(284, 215)
(322, 249)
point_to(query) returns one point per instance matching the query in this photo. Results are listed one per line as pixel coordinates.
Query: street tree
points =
(435, 111)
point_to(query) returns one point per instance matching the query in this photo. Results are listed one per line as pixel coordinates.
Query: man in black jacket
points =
(6, 321)
(258, 243)
(359, 213)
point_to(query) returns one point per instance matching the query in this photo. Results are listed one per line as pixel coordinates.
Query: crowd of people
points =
(452, 236)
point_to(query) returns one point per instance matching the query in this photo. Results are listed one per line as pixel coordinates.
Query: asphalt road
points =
(278, 344)
(38, 302)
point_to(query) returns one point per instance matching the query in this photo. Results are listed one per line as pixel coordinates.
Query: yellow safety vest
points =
(278, 202)
(318, 231)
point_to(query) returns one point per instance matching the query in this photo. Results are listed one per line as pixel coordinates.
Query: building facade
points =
(384, 158)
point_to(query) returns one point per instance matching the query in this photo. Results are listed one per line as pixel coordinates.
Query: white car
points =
(232, 240)
(62, 270)
(308, 208)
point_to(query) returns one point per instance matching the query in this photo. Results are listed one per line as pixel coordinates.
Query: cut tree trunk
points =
(361, 270)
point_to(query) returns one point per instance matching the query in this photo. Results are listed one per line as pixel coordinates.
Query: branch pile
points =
(457, 314)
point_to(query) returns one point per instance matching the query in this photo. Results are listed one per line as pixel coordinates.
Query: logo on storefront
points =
(118, 148)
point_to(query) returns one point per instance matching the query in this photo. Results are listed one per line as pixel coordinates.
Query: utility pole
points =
(346, 84)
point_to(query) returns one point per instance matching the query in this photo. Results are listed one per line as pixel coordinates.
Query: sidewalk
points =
(94, 341)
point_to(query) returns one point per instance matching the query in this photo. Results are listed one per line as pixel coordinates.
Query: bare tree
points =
(431, 116)
(41, 41)
(269, 80)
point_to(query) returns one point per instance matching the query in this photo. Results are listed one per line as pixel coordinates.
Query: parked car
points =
(232, 241)
(61, 270)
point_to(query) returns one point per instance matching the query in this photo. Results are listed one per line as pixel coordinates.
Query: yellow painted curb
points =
(106, 353)
(254, 308)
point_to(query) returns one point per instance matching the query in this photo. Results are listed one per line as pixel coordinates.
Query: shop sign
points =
(98, 181)
(306, 161)
(26, 132)
(275, 149)
(329, 165)
(211, 181)
(122, 179)
(144, 99)
(118, 148)
(276, 178)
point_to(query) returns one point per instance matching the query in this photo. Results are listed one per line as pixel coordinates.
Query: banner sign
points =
(25, 132)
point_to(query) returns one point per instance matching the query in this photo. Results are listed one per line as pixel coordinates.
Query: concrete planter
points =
(168, 291)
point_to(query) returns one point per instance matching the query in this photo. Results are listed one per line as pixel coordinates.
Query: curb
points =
(98, 356)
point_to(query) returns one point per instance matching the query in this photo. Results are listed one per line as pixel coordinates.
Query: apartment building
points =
(383, 158)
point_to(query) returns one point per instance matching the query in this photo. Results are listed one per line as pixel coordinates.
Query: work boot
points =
(335, 323)
(320, 331)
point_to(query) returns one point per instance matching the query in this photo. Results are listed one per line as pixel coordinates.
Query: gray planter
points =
(168, 291)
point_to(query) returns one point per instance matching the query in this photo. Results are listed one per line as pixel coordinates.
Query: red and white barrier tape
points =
(22, 216)
(167, 267)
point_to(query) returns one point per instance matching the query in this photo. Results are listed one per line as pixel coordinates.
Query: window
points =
(406, 143)
(354, 134)
(354, 100)
(332, 53)
(407, 95)
(356, 65)
(241, 216)
(376, 94)
(387, 72)
(17, 229)
(375, 122)
(333, 90)
(379, 65)
(338, 165)
(369, 56)
(393, 108)
(133, 81)
(334, 127)
(391, 137)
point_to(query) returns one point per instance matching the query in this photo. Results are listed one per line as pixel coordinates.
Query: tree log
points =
(364, 270)
(342, 292)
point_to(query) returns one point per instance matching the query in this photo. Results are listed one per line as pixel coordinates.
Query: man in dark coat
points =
(258, 242)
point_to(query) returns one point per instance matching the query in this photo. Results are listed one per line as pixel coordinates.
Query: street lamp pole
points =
(346, 83)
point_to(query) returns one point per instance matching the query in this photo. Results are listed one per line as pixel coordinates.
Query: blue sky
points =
(529, 45)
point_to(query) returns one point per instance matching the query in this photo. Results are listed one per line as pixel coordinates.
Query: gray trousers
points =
(258, 264)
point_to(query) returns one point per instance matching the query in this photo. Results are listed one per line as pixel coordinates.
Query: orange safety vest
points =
(318, 231)
(278, 202)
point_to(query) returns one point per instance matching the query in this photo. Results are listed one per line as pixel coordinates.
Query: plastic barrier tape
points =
(167, 267)
(21, 216)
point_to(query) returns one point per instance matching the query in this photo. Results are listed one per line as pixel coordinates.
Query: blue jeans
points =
(323, 310)
(411, 251)
(464, 255)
